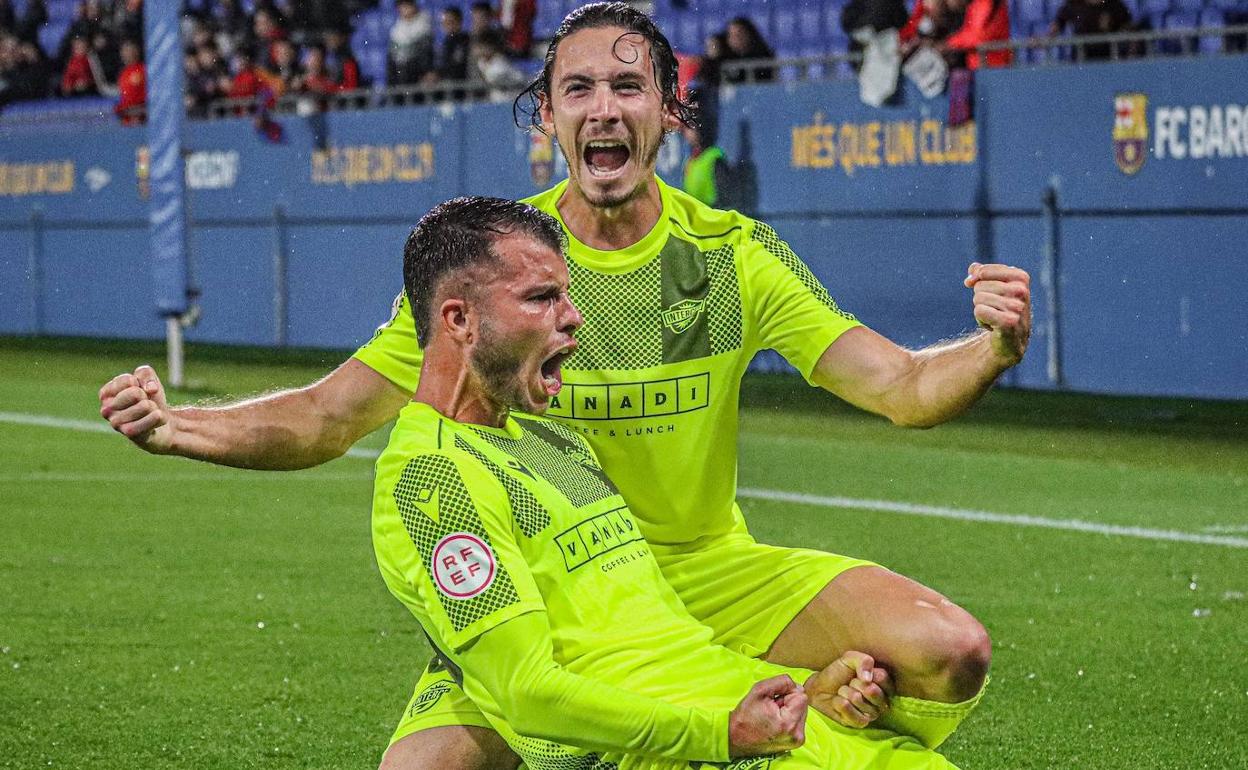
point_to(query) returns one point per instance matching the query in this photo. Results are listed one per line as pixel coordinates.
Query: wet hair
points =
(596, 16)
(461, 233)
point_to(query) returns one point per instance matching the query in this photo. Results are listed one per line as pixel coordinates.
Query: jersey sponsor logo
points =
(463, 566)
(596, 536)
(682, 315)
(1130, 131)
(632, 400)
(428, 698)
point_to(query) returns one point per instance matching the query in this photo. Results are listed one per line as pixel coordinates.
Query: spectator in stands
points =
(283, 74)
(495, 69)
(481, 21)
(1092, 17)
(984, 21)
(247, 82)
(131, 85)
(410, 54)
(34, 73)
(232, 24)
(708, 175)
(956, 27)
(128, 21)
(452, 59)
(746, 43)
(36, 16)
(873, 15)
(516, 19)
(340, 60)
(105, 57)
(77, 78)
(316, 78)
(87, 21)
(265, 32)
(310, 18)
(206, 80)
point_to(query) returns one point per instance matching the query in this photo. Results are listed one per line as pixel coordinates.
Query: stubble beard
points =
(497, 369)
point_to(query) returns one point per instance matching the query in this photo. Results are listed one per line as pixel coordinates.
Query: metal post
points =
(173, 338)
(1051, 280)
(280, 292)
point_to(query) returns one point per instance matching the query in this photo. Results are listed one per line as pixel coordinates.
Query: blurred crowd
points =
(275, 49)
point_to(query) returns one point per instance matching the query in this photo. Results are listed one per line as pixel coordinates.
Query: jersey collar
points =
(621, 260)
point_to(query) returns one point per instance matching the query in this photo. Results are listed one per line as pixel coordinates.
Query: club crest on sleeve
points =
(463, 565)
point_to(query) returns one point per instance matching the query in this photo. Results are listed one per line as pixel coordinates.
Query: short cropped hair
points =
(461, 233)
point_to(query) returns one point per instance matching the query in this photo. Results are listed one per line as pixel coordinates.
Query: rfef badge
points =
(1130, 131)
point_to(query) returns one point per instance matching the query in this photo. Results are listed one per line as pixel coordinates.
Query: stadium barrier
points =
(1118, 185)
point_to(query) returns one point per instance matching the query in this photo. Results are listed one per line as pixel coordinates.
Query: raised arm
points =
(922, 388)
(287, 430)
(514, 663)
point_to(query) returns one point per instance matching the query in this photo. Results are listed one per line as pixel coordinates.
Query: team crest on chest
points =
(682, 315)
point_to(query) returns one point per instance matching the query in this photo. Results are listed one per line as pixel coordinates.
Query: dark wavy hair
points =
(461, 233)
(526, 109)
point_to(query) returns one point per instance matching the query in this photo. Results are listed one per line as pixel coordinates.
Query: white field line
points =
(821, 501)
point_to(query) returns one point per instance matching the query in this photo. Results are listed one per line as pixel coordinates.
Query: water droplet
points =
(1079, 673)
(1191, 586)
(1031, 676)
(260, 624)
(259, 597)
(1201, 612)
(296, 626)
(177, 668)
(5, 650)
(17, 666)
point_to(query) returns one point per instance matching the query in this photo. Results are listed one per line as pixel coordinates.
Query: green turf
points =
(156, 612)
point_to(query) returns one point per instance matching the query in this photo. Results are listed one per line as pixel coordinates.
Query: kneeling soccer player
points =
(504, 537)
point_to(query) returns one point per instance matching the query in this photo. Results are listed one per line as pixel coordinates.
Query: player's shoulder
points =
(706, 225)
(550, 431)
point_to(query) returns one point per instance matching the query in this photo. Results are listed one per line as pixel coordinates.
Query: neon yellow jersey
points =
(529, 574)
(670, 325)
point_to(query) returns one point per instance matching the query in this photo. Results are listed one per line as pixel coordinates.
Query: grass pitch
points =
(156, 612)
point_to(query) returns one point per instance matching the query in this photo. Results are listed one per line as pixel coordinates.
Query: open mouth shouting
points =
(606, 158)
(551, 370)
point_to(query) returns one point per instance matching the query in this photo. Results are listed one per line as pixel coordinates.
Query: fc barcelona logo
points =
(680, 316)
(1130, 131)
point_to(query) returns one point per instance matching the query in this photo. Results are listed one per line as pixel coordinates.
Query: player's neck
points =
(615, 228)
(447, 385)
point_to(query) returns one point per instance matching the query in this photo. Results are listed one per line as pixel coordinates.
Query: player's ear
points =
(546, 114)
(671, 121)
(453, 317)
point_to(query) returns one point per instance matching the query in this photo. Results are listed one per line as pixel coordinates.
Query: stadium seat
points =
(784, 28)
(1191, 6)
(1028, 12)
(1212, 17)
(50, 35)
(1232, 6)
(1155, 9)
(1180, 20)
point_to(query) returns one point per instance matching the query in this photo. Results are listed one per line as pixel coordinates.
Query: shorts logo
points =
(463, 565)
(1130, 131)
(680, 316)
(428, 698)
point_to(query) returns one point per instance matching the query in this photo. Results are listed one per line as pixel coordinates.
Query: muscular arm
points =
(922, 388)
(514, 663)
(288, 430)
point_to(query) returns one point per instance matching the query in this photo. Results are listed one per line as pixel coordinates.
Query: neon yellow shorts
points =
(746, 591)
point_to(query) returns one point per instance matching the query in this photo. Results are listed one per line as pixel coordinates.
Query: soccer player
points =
(677, 298)
(503, 536)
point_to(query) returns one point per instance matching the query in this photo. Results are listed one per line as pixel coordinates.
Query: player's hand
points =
(134, 404)
(851, 691)
(771, 719)
(1002, 301)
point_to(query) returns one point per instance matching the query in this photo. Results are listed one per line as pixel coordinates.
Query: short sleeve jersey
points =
(671, 323)
(473, 526)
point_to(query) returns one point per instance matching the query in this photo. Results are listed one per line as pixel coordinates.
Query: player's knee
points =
(958, 660)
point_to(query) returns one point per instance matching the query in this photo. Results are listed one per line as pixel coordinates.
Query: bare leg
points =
(450, 748)
(934, 649)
